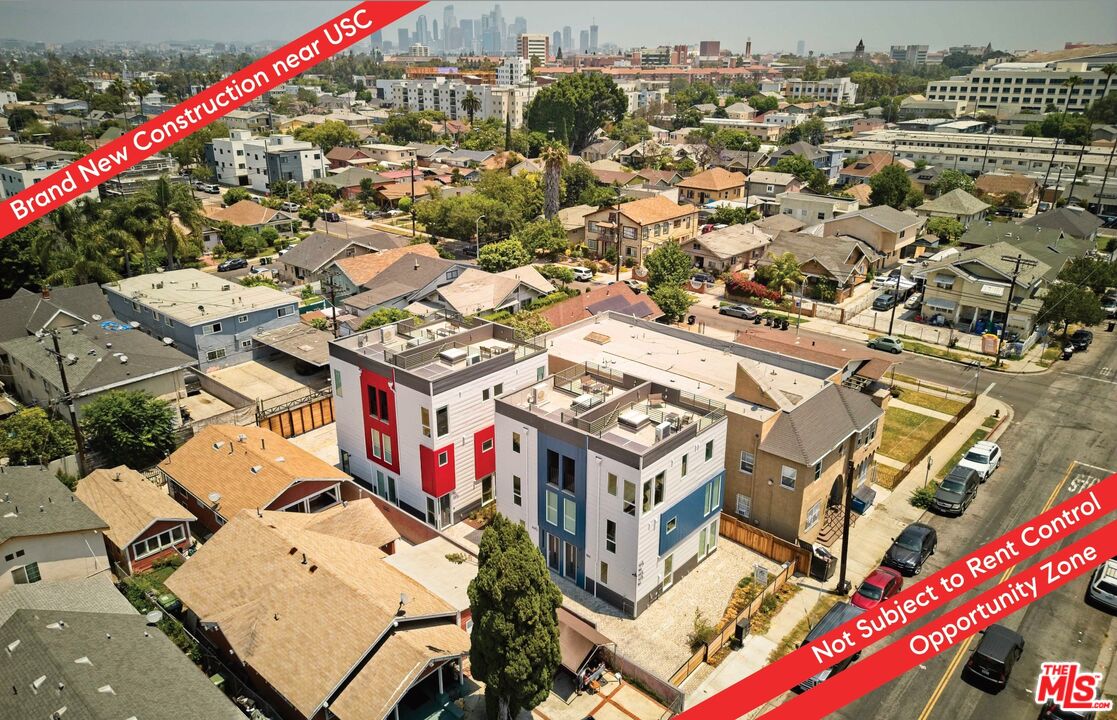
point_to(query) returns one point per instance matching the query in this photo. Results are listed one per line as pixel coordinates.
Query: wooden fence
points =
(765, 543)
(935, 440)
(295, 418)
(727, 631)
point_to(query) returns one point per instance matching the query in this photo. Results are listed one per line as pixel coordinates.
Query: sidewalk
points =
(874, 532)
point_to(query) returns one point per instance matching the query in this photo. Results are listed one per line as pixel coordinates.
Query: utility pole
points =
(895, 301)
(1055, 147)
(617, 231)
(477, 237)
(412, 208)
(1019, 262)
(68, 398)
(1105, 178)
(844, 585)
(333, 301)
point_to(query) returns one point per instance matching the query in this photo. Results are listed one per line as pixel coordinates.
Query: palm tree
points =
(1109, 70)
(783, 273)
(553, 156)
(76, 246)
(141, 88)
(1070, 84)
(175, 213)
(85, 263)
(471, 104)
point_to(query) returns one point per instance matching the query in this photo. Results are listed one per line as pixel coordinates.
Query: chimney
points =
(46, 292)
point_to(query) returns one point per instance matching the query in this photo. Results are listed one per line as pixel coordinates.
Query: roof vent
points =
(106, 689)
(256, 469)
(37, 683)
(280, 459)
(83, 660)
(242, 437)
(123, 359)
(214, 497)
(12, 646)
(219, 444)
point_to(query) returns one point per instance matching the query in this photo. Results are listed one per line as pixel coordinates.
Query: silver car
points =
(1103, 585)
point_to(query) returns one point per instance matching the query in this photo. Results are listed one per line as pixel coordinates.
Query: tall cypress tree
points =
(515, 639)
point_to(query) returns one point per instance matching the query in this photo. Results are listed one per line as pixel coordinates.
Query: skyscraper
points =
(435, 40)
(421, 35)
(567, 39)
(584, 41)
(519, 27)
(801, 48)
(376, 40)
(467, 30)
(449, 22)
(404, 41)
(556, 41)
(593, 37)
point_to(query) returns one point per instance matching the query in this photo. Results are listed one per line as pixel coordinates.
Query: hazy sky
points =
(824, 26)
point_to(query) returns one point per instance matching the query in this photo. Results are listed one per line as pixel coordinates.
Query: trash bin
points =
(744, 627)
(823, 564)
(1109, 328)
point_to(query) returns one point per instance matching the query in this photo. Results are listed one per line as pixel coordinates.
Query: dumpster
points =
(823, 564)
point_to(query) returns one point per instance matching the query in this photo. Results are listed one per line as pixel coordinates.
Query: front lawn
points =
(931, 402)
(887, 476)
(906, 433)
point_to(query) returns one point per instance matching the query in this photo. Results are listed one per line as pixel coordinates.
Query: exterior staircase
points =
(832, 525)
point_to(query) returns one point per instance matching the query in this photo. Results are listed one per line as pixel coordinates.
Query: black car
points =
(995, 656)
(912, 548)
(835, 617)
(1051, 711)
(330, 216)
(957, 491)
(704, 277)
(1081, 339)
(884, 302)
(746, 312)
(232, 264)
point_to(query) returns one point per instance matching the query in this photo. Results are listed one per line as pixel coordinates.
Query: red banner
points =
(913, 603)
(211, 104)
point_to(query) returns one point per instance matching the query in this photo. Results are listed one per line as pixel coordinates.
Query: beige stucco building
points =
(641, 225)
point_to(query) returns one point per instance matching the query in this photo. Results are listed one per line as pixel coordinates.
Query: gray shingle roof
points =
(27, 312)
(1049, 246)
(105, 662)
(885, 216)
(839, 255)
(813, 428)
(318, 249)
(990, 256)
(352, 176)
(1072, 221)
(406, 275)
(955, 202)
(811, 152)
(91, 594)
(24, 490)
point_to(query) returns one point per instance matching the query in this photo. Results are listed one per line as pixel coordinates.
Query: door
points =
(668, 571)
(486, 489)
(702, 543)
(553, 559)
(570, 565)
(444, 511)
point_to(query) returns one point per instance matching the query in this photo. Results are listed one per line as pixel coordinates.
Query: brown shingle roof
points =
(128, 502)
(655, 209)
(618, 298)
(227, 469)
(396, 191)
(868, 165)
(610, 177)
(363, 268)
(715, 179)
(244, 213)
(1004, 184)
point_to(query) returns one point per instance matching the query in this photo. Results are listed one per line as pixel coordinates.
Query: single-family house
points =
(660, 179)
(349, 181)
(775, 223)
(995, 188)
(305, 261)
(923, 179)
(617, 298)
(1071, 221)
(728, 249)
(713, 184)
(573, 221)
(740, 111)
(826, 160)
(390, 195)
(27, 313)
(428, 153)
(956, 204)
(248, 214)
(144, 523)
(639, 226)
(47, 534)
(409, 279)
(621, 178)
(744, 161)
(639, 154)
(602, 150)
(862, 193)
(475, 291)
(354, 274)
(768, 183)
(225, 469)
(809, 208)
(467, 158)
(1050, 246)
(863, 168)
(890, 232)
(841, 262)
(397, 155)
(342, 157)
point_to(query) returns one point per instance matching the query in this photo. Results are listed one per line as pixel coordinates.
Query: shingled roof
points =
(34, 502)
(128, 502)
(806, 433)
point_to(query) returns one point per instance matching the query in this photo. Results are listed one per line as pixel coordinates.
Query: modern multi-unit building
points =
(616, 477)
(1015, 87)
(839, 90)
(914, 54)
(445, 95)
(414, 403)
(534, 46)
(244, 159)
(225, 156)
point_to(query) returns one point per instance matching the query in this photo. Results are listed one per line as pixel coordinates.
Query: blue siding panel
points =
(689, 514)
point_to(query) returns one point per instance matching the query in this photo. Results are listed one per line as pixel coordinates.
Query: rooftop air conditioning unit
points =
(452, 356)
(662, 431)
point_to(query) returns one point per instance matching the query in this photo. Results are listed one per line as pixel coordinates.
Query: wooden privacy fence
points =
(299, 415)
(727, 631)
(765, 543)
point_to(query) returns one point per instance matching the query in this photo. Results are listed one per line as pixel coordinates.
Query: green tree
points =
(763, 103)
(812, 131)
(528, 325)
(952, 180)
(21, 265)
(576, 179)
(733, 216)
(805, 171)
(504, 255)
(673, 301)
(29, 437)
(405, 127)
(542, 237)
(174, 213)
(129, 427)
(191, 150)
(257, 280)
(514, 643)
(233, 196)
(1066, 303)
(782, 274)
(20, 118)
(947, 229)
(328, 135)
(668, 265)
(1103, 110)
(561, 273)
(575, 107)
(1091, 272)
(383, 316)
(890, 187)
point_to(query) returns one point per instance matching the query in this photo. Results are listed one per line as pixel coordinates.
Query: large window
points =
(517, 491)
(610, 536)
(812, 516)
(611, 486)
(744, 505)
(748, 462)
(682, 471)
(568, 482)
(787, 478)
(442, 421)
(378, 404)
(552, 508)
(217, 354)
(569, 515)
(553, 468)
(425, 419)
(709, 449)
(515, 442)
(27, 574)
(630, 497)
(157, 542)
(211, 328)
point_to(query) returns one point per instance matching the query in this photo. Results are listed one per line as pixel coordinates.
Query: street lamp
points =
(477, 237)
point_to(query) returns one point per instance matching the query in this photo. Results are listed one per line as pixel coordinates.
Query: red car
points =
(878, 587)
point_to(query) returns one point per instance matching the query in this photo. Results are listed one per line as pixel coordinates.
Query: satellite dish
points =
(153, 617)
(214, 497)
(134, 324)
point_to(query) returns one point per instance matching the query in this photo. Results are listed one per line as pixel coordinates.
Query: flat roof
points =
(684, 360)
(192, 297)
(299, 341)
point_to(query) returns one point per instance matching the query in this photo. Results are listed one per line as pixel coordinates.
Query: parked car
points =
(911, 548)
(289, 206)
(232, 264)
(914, 301)
(882, 584)
(1109, 306)
(887, 343)
(996, 654)
(210, 188)
(835, 617)
(330, 216)
(371, 214)
(983, 458)
(1081, 340)
(393, 212)
(957, 490)
(745, 312)
(258, 269)
(1103, 585)
(634, 284)
(1051, 711)
(884, 302)
(582, 274)
(704, 277)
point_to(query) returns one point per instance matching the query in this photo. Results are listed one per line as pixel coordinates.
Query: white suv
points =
(983, 458)
(583, 274)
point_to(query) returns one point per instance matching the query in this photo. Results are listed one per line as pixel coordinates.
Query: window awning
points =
(578, 640)
(941, 304)
(994, 290)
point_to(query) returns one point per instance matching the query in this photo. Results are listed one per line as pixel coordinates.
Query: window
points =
(610, 536)
(630, 497)
(485, 394)
(569, 515)
(709, 449)
(568, 482)
(748, 461)
(539, 373)
(425, 419)
(787, 478)
(660, 487)
(215, 354)
(442, 421)
(374, 435)
(552, 468)
(611, 485)
(817, 469)
(744, 505)
(682, 472)
(487, 445)
(671, 525)
(27, 574)
(647, 496)
(517, 491)
(552, 508)
(242, 318)
(515, 442)
(387, 439)
(812, 516)
(709, 502)
(246, 344)
(378, 404)
(337, 383)
(498, 390)
(211, 328)
(603, 576)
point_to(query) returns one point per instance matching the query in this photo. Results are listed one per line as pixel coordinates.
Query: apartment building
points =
(1015, 87)
(205, 316)
(838, 90)
(414, 403)
(636, 228)
(226, 157)
(913, 54)
(797, 428)
(713, 184)
(142, 174)
(25, 164)
(513, 71)
(618, 478)
(445, 95)
(810, 208)
(282, 158)
(534, 47)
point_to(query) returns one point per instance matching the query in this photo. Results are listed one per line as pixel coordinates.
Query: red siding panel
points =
(299, 491)
(437, 481)
(384, 427)
(484, 461)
